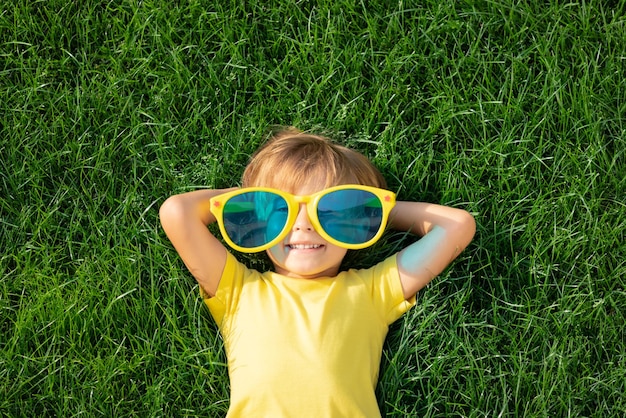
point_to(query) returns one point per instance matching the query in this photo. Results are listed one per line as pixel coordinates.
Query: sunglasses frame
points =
(386, 198)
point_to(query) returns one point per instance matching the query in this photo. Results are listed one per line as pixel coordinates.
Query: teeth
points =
(303, 246)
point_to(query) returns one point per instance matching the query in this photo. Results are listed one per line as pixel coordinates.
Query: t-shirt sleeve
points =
(387, 291)
(228, 289)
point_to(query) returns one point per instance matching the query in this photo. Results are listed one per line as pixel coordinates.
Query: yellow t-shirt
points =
(305, 348)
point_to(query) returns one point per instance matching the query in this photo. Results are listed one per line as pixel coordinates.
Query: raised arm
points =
(184, 218)
(445, 232)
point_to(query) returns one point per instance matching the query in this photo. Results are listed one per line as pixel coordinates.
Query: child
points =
(306, 339)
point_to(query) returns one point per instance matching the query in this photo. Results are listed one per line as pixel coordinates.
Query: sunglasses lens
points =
(350, 216)
(253, 219)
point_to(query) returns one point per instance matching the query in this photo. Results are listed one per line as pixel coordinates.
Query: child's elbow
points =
(467, 224)
(170, 211)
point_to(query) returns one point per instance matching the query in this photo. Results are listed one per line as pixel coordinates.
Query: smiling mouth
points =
(303, 246)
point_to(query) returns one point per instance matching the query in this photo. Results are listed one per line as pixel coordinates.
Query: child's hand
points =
(445, 233)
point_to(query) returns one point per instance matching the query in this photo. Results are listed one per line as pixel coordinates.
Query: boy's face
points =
(304, 254)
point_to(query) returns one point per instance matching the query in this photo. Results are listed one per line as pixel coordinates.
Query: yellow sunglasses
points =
(256, 218)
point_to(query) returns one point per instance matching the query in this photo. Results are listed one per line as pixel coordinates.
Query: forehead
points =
(307, 188)
(302, 188)
(302, 182)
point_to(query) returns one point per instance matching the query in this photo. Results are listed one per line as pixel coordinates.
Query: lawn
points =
(512, 110)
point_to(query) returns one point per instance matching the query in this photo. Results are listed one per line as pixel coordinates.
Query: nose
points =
(302, 220)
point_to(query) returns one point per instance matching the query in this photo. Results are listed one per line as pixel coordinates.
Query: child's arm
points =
(184, 218)
(445, 233)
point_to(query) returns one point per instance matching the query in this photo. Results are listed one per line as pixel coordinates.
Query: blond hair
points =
(292, 158)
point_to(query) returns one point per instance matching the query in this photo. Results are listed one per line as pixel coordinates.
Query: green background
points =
(512, 110)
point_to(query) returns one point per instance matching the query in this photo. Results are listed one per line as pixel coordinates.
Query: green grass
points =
(514, 110)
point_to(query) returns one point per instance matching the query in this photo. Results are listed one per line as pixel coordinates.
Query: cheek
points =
(273, 253)
(337, 253)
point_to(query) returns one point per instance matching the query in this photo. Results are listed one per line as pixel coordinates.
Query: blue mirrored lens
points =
(253, 219)
(350, 216)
